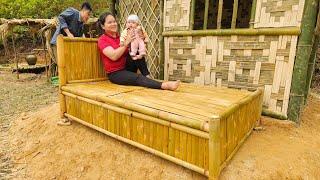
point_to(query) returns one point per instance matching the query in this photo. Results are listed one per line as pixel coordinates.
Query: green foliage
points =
(46, 8)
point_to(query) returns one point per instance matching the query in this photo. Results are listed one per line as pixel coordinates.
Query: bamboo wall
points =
(282, 13)
(269, 13)
(236, 61)
(243, 62)
(176, 15)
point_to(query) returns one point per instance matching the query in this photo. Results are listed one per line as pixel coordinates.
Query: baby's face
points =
(132, 24)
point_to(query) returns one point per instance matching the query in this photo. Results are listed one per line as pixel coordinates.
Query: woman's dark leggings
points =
(134, 65)
(124, 77)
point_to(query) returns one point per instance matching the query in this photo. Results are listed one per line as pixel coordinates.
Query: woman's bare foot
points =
(170, 85)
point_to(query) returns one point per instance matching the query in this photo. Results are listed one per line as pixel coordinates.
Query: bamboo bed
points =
(198, 127)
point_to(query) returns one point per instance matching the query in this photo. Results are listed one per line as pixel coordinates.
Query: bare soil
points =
(39, 149)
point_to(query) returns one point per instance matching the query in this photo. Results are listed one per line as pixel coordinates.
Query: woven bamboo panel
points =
(243, 62)
(149, 14)
(177, 14)
(281, 13)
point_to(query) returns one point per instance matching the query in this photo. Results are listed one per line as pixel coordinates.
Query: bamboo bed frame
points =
(198, 127)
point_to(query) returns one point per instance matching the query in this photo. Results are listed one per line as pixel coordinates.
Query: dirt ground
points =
(19, 96)
(39, 149)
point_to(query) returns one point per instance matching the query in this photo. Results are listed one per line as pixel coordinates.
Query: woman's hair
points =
(102, 20)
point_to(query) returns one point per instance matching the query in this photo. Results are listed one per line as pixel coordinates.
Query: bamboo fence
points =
(150, 13)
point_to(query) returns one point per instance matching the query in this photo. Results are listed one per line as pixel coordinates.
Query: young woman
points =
(114, 57)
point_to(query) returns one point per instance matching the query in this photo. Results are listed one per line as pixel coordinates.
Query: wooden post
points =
(219, 14)
(234, 14)
(206, 12)
(304, 48)
(214, 147)
(62, 74)
(15, 54)
(45, 56)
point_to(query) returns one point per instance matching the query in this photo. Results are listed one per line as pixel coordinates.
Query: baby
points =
(137, 45)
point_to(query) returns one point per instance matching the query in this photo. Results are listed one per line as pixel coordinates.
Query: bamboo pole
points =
(206, 12)
(311, 65)
(193, 7)
(143, 147)
(234, 14)
(267, 112)
(214, 147)
(220, 10)
(161, 50)
(312, 60)
(253, 13)
(87, 80)
(304, 48)
(79, 39)
(62, 74)
(228, 32)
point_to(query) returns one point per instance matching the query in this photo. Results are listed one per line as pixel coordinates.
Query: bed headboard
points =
(78, 60)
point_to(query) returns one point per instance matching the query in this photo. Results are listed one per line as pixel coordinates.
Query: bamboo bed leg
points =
(214, 148)
(62, 81)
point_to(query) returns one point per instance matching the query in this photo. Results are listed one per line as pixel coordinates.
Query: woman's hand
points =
(130, 37)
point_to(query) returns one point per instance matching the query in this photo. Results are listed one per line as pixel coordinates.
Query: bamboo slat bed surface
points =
(194, 102)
